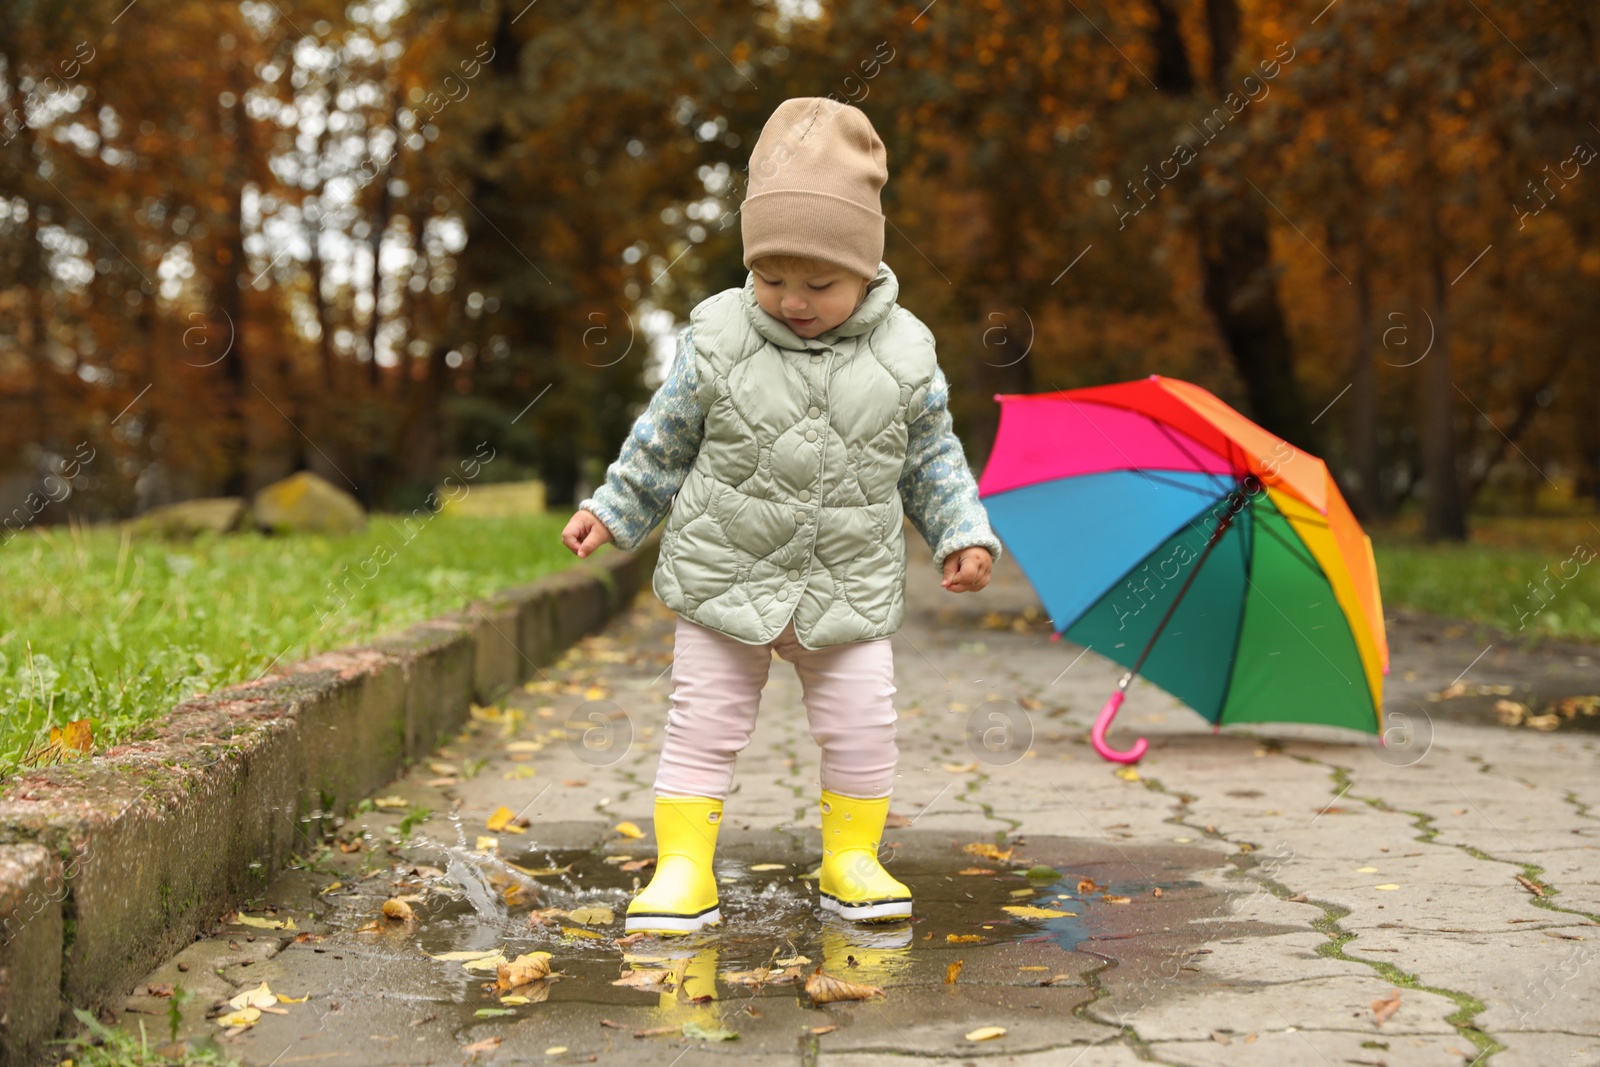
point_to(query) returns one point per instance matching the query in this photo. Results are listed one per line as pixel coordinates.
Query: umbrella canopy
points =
(1166, 531)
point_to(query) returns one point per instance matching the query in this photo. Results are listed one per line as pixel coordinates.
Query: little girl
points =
(799, 412)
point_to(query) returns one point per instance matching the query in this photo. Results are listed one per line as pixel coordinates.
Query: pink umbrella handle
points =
(1097, 735)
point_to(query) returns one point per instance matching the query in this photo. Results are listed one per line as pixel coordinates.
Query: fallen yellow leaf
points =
(75, 737)
(952, 972)
(499, 818)
(485, 963)
(527, 968)
(264, 924)
(987, 851)
(486, 844)
(770, 867)
(518, 773)
(963, 939)
(259, 997)
(1028, 911)
(985, 1033)
(398, 910)
(1386, 886)
(824, 988)
(594, 916)
(391, 802)
(643, 979)
(628, 829)
(960, 768)
(242, 1017)
(1127, 774)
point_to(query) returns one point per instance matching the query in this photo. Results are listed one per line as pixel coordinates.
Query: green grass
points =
(98, 624)
(1524, 575)
(102, 1046)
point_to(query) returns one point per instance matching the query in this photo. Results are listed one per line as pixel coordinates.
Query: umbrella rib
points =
(1177, 443)
(1312, 565)
(1209, 494)
(1246, 531)
(1215, 539)
(1132, 466)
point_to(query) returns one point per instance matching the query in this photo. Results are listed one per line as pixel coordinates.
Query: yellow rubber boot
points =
(682, 895)
(853, 882)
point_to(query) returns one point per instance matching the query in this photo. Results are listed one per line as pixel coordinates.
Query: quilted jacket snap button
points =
(805, 494)
(794, 574)
(811, 435)
(813, 411)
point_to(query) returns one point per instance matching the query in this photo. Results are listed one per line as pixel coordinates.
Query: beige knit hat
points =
(815, 173)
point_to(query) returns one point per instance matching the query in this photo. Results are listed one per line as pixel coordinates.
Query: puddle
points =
(466, 900)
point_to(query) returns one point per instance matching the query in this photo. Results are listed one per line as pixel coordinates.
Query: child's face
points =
(809, 302)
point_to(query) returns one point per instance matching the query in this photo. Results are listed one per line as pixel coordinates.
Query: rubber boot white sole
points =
(868, 911)
(645, 922)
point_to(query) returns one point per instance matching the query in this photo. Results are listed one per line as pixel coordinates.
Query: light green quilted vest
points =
(792, 508)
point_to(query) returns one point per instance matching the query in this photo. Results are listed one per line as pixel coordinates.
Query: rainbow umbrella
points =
(1166, 531)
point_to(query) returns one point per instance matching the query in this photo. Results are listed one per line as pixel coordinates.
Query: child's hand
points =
(967, 571)
(585, 533)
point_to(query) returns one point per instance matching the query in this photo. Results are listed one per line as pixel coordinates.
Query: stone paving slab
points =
(1275, 848)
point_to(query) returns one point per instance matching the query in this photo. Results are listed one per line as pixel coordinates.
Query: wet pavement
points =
(1240, 898)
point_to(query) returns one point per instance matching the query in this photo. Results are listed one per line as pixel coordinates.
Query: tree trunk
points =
(1240, 289)
(1444, 515)
(1444, 518)
(1239, 283)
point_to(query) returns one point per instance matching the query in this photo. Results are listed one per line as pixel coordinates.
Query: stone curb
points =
(111, 864)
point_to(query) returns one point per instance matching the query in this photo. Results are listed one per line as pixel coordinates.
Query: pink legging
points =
(716, 689)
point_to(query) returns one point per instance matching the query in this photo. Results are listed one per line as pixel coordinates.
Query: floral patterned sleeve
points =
(940, 494)
(656, 457)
